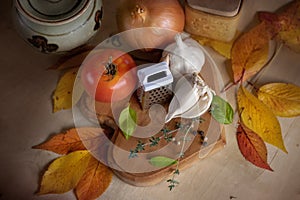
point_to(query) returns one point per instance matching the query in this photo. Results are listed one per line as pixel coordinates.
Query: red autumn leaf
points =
(271, 20)
(286, 18)
(70, 141)
(285, 24)
(252, 147)
(94, 181)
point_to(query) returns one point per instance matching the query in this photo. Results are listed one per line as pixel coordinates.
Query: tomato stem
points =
(111, 68)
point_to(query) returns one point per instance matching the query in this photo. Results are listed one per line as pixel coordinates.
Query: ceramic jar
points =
(214, 19)
(57, 25)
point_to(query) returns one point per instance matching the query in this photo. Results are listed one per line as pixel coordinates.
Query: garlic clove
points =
(185, 96)
(201, 106)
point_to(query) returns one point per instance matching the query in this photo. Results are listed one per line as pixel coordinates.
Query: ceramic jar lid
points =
(228, 8)
(51, 10)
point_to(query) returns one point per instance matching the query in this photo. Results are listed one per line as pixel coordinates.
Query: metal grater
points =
(155, 84)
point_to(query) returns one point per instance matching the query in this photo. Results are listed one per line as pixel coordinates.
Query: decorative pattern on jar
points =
(57, 25)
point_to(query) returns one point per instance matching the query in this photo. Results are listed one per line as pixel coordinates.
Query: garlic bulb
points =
(185, 56)
(192, 98)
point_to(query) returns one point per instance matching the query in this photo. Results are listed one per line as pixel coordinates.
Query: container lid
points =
(154, 76)
(51, 10)
(228, 8)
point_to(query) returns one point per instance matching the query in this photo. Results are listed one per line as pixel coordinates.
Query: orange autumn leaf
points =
(63, 143)
(252, 147)
(94, 181)
(70, 141)
(250, 52)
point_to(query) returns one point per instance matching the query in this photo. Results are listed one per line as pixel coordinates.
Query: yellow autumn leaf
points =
(282, 98)
(291, 38)
(64, 173)
(223, 48)
(250, 52)
(259, 118)
(62, 97)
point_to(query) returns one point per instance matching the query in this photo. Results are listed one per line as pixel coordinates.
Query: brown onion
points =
(160, 20)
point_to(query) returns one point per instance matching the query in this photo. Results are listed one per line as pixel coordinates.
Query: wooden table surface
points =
(26, 119)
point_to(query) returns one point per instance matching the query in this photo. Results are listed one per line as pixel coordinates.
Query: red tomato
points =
(109, 75)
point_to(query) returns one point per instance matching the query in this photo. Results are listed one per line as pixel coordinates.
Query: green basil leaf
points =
(161, 161)
(221, 110)
(127, 121)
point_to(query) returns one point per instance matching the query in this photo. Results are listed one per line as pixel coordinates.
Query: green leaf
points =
(127, 121)
(221, 110)
(161, 161)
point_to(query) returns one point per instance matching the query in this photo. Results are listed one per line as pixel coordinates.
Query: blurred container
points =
(215, 19)
(57, 25)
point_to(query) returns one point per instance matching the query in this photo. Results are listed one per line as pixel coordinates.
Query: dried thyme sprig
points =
(167, 136)
(153, 141)
(172, 181)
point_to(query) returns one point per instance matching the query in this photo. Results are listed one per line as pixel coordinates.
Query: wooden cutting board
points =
(131, 169)
(138, 171)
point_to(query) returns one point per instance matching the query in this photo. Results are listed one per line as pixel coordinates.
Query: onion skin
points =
(161, 18)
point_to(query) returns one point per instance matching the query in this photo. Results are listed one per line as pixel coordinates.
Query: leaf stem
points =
(227, 87)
